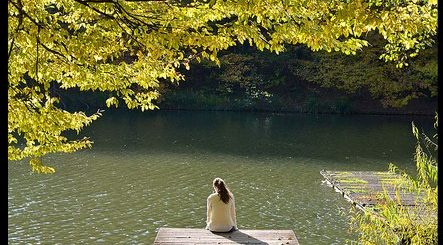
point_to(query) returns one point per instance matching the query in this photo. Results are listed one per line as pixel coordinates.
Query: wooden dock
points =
(363, 188)
(175, 236)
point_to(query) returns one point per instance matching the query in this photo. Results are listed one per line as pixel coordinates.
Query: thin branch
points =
(36, 60)
(20, 21)
(95, 1)
(53, 51)
(23, 98)
(20, 9)
(132, 37)
(64, 46)
(194, 56)
(166, 1)
(97, 10)
(129, 14)
(114, 1)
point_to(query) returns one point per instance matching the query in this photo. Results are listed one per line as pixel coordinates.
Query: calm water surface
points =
(151, 170)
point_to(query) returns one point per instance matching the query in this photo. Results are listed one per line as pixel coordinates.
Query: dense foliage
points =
(391, 86)
(302, 80)
(393, 223)
(130, 48)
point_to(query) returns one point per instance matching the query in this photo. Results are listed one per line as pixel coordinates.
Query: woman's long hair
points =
(222, 190)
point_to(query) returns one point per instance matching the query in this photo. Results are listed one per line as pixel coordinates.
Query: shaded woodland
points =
(298, 80)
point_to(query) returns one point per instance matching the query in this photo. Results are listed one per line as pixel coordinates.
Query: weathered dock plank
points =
(363, 188)
(201, 236)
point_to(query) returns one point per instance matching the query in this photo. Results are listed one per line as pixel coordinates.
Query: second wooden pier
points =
(363, 188)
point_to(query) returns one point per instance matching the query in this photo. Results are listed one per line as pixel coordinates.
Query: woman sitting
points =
(221, 216)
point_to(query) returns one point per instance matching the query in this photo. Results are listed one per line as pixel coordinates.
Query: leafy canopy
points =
(129, 48)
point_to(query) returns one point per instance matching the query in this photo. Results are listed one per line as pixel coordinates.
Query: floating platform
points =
(363, 188)
(176, 236)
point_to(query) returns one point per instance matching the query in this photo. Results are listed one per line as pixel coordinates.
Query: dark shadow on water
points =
(328, 137)
(240, 237)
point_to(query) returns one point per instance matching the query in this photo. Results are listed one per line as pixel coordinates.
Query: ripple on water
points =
(156, 171)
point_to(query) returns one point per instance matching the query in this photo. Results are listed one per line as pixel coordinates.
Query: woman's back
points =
(221, 215)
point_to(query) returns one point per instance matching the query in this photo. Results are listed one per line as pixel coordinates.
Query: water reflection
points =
(148, 170)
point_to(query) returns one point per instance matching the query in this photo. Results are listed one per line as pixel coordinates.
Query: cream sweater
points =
(221, 217)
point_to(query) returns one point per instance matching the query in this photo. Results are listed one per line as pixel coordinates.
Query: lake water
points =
(154, 169)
